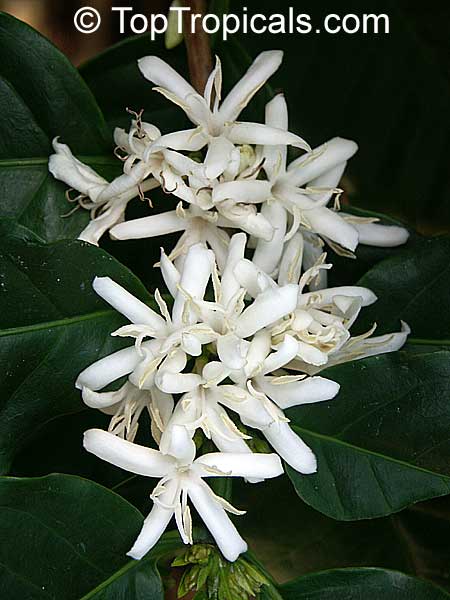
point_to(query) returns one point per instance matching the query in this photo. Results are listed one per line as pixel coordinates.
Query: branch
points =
(197, 45)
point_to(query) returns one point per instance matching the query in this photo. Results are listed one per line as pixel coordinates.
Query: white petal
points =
(161, 74)
(170, 273)
(310, 354)
(312, 389)
(230, 351)
(108, 369)
(268, 253)
(65, 167)
(127, 304)
(253, 191)
(105, 399)
(384, 236)
(217, 157)
(100, 225)
(325, 296)
(250, 409)
(259, 72)
(321, 159)
(156, 522)
(290, 447)
(236, 250)
(197, 270)
(275, 156)
(258, 350)
(257, 133)
(330, 179)
(190, 140)
(177, 383)
(216, 520)
(155, 225)
(252, 278)
(268, 307)
(126, 455)
(246, 465)
(285, 352)
(291, 261)
(331, 225)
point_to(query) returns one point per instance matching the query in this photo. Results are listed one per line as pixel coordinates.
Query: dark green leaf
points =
(412, 286)
(52, 325)
(353, 584)
(42, 96)
(64, 537)
(383, 442)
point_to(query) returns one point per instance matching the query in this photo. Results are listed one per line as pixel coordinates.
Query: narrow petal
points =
(257, 133)
(217, 157)
(104, 400)
(155, 225)
(253, 191)
(320, 160)
(275, 156)
(285, 352)
(108, 369)
(196, 272)
(216, 520)
(324, 297)
(177, 383)
(310, 354)
(127, 304)
(156, 522)
(268, 307)
(291, 448)
(126, 455)
(331, 225)
(263, 67)
(170, 273)
(268, 253)
(307, 391)
(263, 466)
(383, 236)
(252, 278)
(236, 251)
(291, 261)
(189, 140)
(161, 74)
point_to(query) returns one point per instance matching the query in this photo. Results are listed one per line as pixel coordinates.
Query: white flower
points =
(174, 336)
(294, 198)
(126, 406)
(215, 120)
(322, 318)
(180, 481)
(106, 201)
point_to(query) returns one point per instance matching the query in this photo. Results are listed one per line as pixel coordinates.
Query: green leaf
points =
(52, 325)
(67, 537)
(412, 286)
(42, 96)
(382, 443)
(117, 69)
(353, 584)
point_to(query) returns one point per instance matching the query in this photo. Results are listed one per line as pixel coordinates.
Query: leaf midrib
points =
(43, 160)
(100, 314)
(359, 449)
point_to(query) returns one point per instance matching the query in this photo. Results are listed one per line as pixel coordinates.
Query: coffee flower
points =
(215, 120)
(181, 480)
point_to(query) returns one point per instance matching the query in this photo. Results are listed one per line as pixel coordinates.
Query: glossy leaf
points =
(43, 96)
(412, 285)
(353, 584)
(67, 537)
(382, 443)
(52, 325)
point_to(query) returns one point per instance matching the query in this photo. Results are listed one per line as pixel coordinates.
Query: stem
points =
(197, 45)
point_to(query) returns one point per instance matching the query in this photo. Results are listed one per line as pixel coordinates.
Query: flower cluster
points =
(247, 321)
